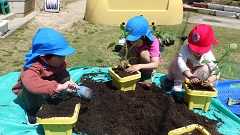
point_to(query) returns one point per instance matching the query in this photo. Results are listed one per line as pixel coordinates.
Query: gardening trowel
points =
(232, 102)
(83, 92)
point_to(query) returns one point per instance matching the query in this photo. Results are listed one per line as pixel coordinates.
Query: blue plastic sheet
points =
(13, 119)
(229, 89)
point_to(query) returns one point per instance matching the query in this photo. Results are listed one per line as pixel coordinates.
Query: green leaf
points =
(121, 37)
(122, 27)
(120, 58)
(217, 71)
(128, 33)
(233, 46)
(111, 45)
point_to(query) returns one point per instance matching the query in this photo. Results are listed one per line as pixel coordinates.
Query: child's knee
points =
(144, 56)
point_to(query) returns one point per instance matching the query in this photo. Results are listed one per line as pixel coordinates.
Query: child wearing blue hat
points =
(44, 73)
(144, 55)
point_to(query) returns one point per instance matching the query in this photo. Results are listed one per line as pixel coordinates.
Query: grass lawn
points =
(91, 41)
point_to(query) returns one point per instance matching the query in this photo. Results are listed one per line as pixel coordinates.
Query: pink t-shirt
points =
(153, 49)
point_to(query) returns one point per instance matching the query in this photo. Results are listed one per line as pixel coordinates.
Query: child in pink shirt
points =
(145, 55)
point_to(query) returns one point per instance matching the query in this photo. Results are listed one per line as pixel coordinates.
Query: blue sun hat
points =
(47, 41)
(140, 27)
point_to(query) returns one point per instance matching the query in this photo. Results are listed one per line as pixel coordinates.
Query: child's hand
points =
(133, 68)
(122, 63)
(206, 83)
(66, 86)
(194, 79)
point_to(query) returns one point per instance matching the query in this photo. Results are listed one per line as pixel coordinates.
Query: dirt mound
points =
(142, 111)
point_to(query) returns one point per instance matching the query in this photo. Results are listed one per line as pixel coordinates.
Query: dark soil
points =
(57, 107)
(122, 73)
(198, 86)
(136, 112)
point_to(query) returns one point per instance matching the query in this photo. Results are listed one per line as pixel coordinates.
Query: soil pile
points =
(142, 111)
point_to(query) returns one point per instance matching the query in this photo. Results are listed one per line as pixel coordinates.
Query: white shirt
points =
(185, 54)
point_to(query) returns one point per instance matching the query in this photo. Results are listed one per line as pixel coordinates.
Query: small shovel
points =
(83, 92)
(232, 102)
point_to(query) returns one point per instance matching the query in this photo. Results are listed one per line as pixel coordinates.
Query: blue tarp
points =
(13, 119)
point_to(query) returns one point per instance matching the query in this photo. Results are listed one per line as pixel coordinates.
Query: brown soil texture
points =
(58, 107)
(198, 86)
(122, 73)
(140, 111)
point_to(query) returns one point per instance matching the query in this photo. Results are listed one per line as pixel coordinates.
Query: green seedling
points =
(228, 52)
(124, 34)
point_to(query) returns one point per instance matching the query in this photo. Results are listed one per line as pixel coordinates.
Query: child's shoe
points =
(31, 120)
(31, 116)
(177, 87)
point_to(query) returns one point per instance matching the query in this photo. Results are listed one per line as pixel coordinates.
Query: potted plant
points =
(197, 96)
(165, 38)
(122, 39)
(120, 44)
(127, 82)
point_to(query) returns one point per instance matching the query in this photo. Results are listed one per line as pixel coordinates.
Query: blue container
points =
(229, 89)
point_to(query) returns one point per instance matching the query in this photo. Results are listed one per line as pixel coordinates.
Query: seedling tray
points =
(229, 89)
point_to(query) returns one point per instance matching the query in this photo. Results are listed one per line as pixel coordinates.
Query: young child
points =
(144, 55)
(188, 63)
(44, 73)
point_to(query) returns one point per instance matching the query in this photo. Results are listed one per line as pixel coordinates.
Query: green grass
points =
(91, 41)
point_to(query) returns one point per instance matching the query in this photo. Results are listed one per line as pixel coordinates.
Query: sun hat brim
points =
(149, 34)
(31, 57)
(65, 52)
(136, 37)
(200, 50)
(132, 38)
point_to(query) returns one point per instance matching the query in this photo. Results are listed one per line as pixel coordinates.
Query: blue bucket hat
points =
(140, 27)
(47, 41)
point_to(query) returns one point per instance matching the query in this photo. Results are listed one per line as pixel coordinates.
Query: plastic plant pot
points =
(118, 48)
(59, 125)
(189, 129)
(198, 98)
(125, 83)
